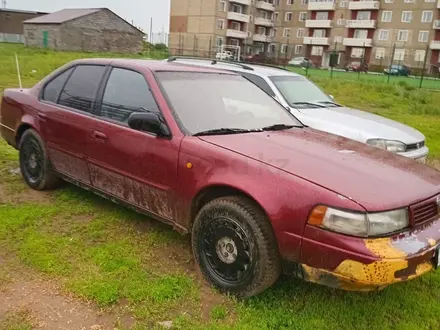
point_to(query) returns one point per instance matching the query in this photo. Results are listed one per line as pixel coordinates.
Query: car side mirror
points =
(331, 96)
(148, 122)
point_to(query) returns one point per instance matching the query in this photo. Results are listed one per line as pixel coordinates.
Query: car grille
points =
(415, 146)
(424, 211)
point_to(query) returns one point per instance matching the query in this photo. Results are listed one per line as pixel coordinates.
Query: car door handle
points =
(42, 116)
(99, 136)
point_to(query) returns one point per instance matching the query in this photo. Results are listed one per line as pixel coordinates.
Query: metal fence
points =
(424, 69)
(12, 38)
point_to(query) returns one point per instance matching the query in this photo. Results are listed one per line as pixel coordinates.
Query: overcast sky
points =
(140, 11)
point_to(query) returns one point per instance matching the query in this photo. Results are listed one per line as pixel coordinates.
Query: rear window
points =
(80, 90)
(53, 89)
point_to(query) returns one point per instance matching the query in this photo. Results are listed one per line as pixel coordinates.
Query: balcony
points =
(361, 24)
(322, 5)
(236, 34)
(318, 23)
(435, 45)
(364, 5)
(242, 2)
(263, 22)
(262, 38)
(316, 41)
(355, 42)
(436, 25)
(265, 5)
(238, 17)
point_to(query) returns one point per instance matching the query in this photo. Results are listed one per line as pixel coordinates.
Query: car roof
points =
(258, 69)
(153, 65)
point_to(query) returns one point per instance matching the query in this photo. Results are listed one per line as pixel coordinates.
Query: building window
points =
(300, 33)
(363, 15)
(427, 16)
(341, 21)
(304, 2)
(387, 16)
(302, 16)
(219, 41)
(322, 15)
(383, 35)
(289, 16)
(343, 4)
(220, 24)
(406, 16)
(317, 50)
(389, 1)
(380, 53)
(273, 32)
(222, 6)
(298, 49)
(286, 33)
(237, 9)
(419, 55)
(283, 49)
(357, 52)
(262, 30)
(236, 26)
(423, 36)
(289, 2)
(360, 34)
(249, 34)
(319, 33)
(275, 17)
(402, 35)
(272, 48)
(409, 1)
(399, 54)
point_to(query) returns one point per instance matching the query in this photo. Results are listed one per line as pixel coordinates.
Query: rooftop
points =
(19, 11)
(62, 16)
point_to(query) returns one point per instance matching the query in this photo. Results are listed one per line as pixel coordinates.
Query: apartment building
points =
(401, 31)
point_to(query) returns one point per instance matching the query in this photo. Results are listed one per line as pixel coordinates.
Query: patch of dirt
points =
(27, 195)
(52, 309)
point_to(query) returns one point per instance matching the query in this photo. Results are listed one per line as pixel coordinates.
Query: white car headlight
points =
(390, 145)
(359, 224)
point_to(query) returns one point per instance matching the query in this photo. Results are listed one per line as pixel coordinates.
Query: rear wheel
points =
(235, 247)
(34, 162)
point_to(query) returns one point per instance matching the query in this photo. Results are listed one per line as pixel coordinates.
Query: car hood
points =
(376, 179)
(358, 125)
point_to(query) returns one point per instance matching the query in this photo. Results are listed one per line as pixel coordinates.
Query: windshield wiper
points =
(307, 104)
(278, 127)
(330, 103)
(225, 131)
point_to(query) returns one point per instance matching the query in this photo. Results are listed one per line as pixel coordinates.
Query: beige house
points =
(402, 31)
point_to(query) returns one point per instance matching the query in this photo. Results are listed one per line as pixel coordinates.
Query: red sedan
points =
(215, 156)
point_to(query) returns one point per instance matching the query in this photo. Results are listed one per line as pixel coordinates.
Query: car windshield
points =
(297, 89)
(212, 101)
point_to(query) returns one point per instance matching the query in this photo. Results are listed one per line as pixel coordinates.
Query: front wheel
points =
(234, 245)
(34, 162)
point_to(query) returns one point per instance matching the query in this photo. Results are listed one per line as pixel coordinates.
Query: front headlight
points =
(359, 224)
(390, 145)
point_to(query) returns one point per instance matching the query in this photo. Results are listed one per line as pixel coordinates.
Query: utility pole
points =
(424, 66)
(151, 30)
(391, 62)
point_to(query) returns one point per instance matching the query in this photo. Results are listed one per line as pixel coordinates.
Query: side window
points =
(260, 82)
(80, 90)
(126, 92)
(53, 89)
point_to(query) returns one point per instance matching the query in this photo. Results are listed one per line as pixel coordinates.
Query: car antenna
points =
(18, 71)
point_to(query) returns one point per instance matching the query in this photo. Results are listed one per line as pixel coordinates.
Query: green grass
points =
(427, 83)
(113, 257)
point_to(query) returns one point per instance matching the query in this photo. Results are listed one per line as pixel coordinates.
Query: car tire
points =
(34, 163)
(235, 247)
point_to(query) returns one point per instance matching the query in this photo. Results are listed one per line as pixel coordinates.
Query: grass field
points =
(133, 272)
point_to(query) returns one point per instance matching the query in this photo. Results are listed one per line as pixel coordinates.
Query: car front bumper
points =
(419, 155)
(369, 264)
